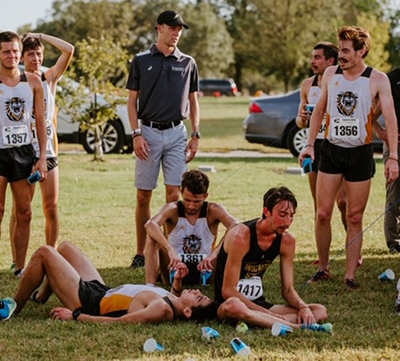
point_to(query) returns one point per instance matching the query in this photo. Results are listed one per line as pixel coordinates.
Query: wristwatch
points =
(196, 134)
(76, 314)
(136, 131)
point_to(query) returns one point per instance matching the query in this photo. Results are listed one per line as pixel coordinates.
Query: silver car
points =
(272, 122)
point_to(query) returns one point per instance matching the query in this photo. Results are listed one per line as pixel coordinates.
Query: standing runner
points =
(20, 93)
(324, 55)
(32, 57)
(348, 96)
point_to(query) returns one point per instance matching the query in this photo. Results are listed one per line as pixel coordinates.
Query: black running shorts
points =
(263, 303)
(51, 162)
(356, 164)
(317, 154)
(90, 295)
(16, 163)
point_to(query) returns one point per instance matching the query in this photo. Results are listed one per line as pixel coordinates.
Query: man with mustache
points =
(350, 93)
(163, 84)
(324, 55)
(247, 251)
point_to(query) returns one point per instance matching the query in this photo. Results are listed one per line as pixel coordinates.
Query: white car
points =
(116, 134)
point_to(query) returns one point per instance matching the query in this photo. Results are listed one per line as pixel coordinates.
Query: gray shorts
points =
(167, 147)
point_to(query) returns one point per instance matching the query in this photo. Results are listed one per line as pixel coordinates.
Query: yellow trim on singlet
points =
(115, 303)
(369, 128)
(55, 137)
(327, 122)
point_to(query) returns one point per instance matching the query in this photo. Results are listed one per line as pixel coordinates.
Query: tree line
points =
(262, 44)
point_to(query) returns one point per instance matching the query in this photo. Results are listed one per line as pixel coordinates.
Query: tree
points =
(97, 61)
(378, 56)
(289, 29)
(207, 40)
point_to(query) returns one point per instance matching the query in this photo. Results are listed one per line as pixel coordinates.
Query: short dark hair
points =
(274, 195)
(203, 313)
(29, 43)
(195, 182)
(359, 36)
(9, 36)
(330, 50)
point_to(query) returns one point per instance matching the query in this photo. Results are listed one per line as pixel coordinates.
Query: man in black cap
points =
(162, 93)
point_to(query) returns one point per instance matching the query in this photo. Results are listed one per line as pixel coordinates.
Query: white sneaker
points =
(19, 273)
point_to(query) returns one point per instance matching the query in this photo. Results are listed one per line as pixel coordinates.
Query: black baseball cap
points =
(171, 18)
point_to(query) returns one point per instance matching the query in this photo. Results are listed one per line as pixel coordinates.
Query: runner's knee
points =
(43, 253)
(233, 307)
(320, 312)
(65, 247)
(50, 210)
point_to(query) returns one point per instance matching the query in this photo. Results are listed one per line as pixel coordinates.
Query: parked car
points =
(116, 134)
(222, 86)
(272, 122)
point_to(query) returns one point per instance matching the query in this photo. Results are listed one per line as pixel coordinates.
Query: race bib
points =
(192, 258)
(345, 128)
(49, 130)
(16, 135)
(321, 131)
(49, 134)
(251, 288)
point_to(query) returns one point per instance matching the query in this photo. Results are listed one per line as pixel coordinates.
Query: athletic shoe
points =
(33, 297)
(321, 275)
(394, 249)
(325, 327)
(137, 262)
(360, 261)
(351, 284)
(7, 308)
(19, 273)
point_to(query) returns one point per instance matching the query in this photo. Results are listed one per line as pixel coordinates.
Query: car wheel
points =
(112, 137)
(297, 140)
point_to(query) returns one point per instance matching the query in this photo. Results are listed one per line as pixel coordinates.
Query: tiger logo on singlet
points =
(15, 109)
(346, 103)
(191, 244)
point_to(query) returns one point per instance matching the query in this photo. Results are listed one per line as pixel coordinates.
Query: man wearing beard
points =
(192, 229)
(324, 55)
(247, 251)
(350, 92)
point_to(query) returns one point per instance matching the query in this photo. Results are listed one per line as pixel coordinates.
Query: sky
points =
(30, 11)
(15, 13)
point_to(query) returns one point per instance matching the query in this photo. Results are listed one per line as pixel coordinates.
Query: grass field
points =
(97, 213)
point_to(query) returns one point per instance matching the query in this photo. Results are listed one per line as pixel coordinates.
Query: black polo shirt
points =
(164, 84)
(394, 77)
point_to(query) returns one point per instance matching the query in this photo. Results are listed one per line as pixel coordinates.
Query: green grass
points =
(97, 213)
